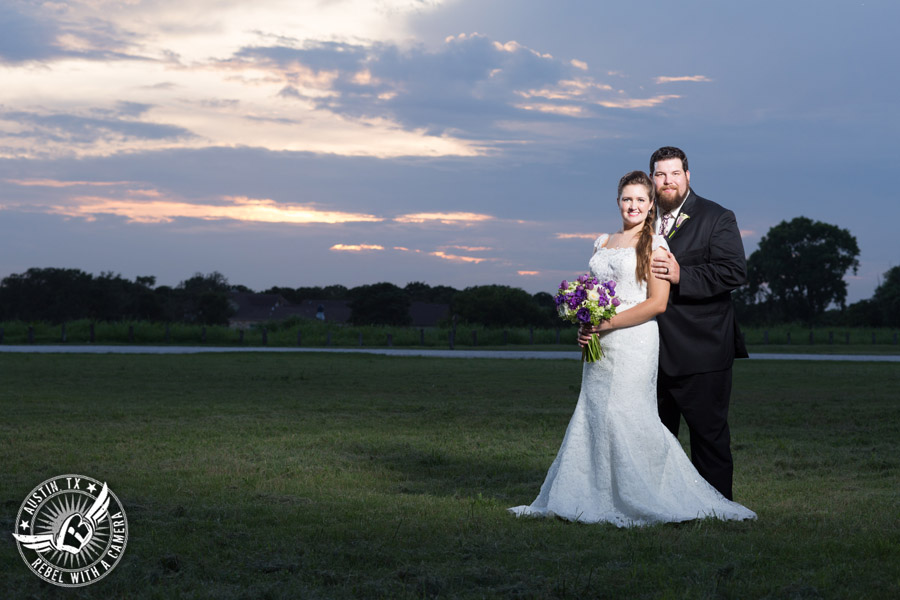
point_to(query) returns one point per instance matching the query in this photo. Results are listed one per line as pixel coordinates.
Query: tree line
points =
(795, 275)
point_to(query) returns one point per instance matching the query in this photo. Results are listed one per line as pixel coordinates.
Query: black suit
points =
(699, 336)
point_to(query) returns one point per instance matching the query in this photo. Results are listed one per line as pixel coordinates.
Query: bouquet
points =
(586, 301)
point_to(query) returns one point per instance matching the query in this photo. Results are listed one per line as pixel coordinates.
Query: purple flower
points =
(559, 299)
(583, 315)
(616, 302)
(589, 285)
(611, 286)
(603, 300)
(564, 285)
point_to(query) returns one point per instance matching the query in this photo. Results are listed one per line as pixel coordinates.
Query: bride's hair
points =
(644, 246)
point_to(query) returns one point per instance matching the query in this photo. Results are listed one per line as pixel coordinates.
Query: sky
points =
(452, 142)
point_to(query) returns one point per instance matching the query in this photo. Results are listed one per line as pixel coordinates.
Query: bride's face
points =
(634, 204)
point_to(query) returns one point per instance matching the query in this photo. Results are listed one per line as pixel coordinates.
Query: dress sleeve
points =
(600, 241)
(658, 242)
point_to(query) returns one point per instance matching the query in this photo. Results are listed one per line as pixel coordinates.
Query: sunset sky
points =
(454, 142)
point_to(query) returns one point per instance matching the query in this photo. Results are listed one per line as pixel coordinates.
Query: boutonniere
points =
(679, 222)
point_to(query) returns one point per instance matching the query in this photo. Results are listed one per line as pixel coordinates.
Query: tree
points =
(547, 307)
(498, 306)
(798, 269)
(51, 294)
(887, 298)
(379, 304)
(205, 299)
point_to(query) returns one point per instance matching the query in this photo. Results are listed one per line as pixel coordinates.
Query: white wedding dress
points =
(618, 463)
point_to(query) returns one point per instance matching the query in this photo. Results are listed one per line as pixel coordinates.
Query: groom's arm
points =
(726, 269)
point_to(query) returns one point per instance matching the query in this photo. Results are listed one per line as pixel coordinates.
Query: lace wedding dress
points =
(618, 463)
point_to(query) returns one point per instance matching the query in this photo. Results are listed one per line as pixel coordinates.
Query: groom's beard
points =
(668, 201)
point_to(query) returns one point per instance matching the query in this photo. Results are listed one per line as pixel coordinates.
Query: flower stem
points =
(592, 352)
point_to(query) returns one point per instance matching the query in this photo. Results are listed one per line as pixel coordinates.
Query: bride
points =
(618, 463)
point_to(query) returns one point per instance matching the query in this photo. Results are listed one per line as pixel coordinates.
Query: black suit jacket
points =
(698, 332)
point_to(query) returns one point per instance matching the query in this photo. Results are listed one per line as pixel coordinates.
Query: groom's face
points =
(672, 183)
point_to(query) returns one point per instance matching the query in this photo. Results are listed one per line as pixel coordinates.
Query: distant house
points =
(253, 309)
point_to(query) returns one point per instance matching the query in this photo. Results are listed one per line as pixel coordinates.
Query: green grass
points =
(361, 476)
(309, 333)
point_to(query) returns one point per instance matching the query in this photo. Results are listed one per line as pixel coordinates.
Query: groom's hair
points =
(665, 153)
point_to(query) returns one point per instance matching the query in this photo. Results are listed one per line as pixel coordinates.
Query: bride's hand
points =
(584, 334)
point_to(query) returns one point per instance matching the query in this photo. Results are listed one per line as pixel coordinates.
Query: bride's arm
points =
(657, 299)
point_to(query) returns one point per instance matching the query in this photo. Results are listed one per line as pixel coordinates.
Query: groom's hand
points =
(666, 268)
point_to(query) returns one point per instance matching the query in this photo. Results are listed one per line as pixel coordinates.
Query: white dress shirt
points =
(673, 216)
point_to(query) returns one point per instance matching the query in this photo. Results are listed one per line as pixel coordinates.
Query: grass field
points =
(794, 338)
(360, 476)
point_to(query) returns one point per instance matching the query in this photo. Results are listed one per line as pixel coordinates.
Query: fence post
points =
(789, 338)
(766, 337)
(62, 336)
(390, 340)
(830, 337)
(131, 334)
(359, 338)
(241, 337)
(505, 337)
(422, 336)
(30, 334)
(265, 336)
(328, 338)
(91, 334)
(203, 335)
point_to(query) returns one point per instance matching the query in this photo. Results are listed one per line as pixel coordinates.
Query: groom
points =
(699, 337)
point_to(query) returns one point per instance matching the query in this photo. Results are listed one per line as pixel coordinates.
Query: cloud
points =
(355, 247)
(467, 86)
(92, 132)
(282, 75)
(528, 273)
(629, 103)
(458, 258)
(696, 78)
(139, 210)
(458, 218)
(54, 183)
(470, 248)
(576, 236)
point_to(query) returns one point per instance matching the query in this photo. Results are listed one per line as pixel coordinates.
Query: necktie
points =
(664, 224)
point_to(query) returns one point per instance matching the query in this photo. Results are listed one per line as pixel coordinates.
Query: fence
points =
(142, 333)
(373, 336)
